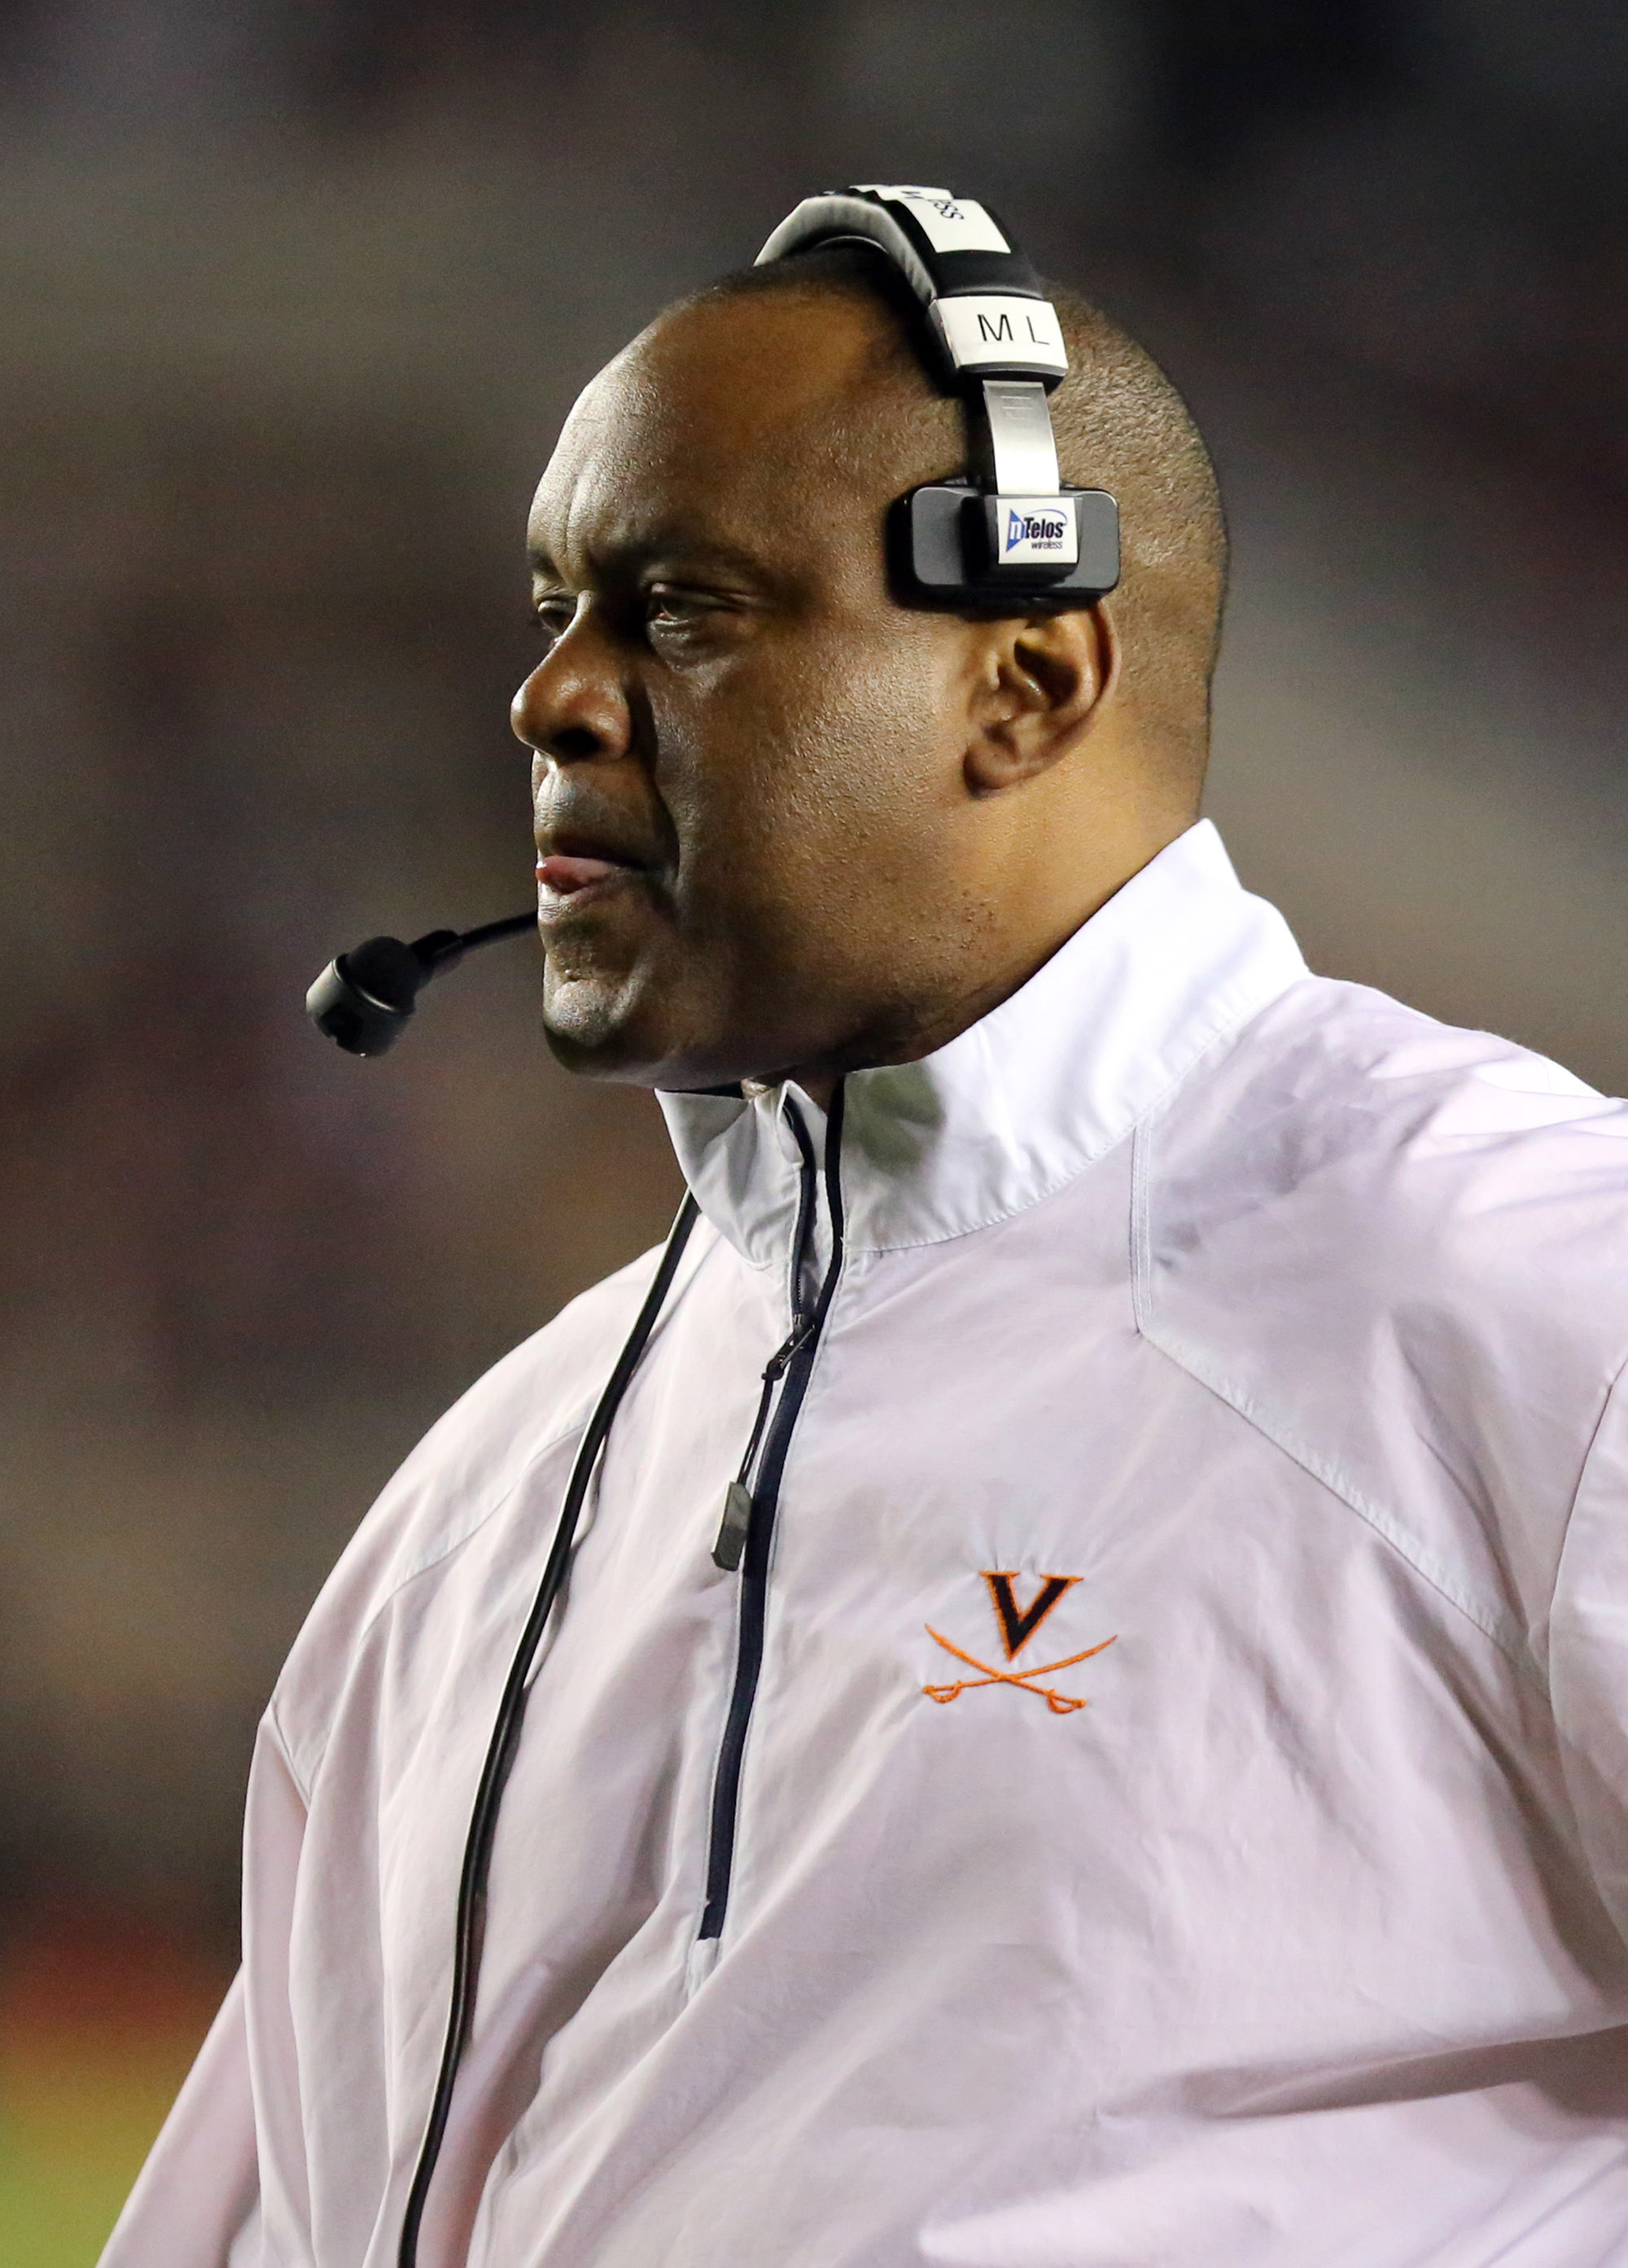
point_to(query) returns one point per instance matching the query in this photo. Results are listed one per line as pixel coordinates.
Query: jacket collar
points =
(1028, 1097)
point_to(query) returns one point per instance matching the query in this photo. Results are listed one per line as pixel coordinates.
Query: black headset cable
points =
(507, 1732)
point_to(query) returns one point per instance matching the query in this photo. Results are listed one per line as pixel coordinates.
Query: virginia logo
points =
(1018, 1624)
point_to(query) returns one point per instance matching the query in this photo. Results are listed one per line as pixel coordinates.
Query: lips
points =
(576, 868)
(564, 876)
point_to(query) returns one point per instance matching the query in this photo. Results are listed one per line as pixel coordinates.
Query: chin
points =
(681, 1037)
(597, 1048)
(600, 1059)
(636, 1057)
(597, 1029)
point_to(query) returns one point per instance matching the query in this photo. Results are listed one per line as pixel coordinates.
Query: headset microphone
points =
(363, 998)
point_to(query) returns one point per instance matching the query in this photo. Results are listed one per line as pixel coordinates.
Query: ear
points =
(1042, 683)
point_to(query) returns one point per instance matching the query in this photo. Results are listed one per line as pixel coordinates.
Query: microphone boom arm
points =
(363, 998)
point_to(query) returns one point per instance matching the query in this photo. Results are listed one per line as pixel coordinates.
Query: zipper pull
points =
(775, 1368)
(730, 1545)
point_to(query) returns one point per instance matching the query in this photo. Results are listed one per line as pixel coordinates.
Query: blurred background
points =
(295, 294)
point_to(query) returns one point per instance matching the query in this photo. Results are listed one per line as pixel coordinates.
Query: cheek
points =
(842, 756)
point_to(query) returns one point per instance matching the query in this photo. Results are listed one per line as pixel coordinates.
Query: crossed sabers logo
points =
(1016, 1629)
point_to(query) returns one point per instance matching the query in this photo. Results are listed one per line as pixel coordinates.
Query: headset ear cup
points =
(926, 556)
(939, 552)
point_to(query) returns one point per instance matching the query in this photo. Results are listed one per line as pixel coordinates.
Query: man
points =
(1133, 1773)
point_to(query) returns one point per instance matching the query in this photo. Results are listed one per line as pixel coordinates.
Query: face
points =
(749, 793)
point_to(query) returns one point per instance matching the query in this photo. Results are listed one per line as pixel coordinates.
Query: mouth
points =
(574, 873)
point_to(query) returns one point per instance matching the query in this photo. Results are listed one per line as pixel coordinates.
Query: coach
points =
(1087, 1725)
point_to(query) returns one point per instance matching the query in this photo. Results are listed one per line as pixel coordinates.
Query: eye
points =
(670, 606)
(553, 616)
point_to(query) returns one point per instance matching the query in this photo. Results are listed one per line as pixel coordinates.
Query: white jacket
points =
(1182, 1818)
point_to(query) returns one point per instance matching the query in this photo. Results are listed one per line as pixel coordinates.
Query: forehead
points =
(756, 421)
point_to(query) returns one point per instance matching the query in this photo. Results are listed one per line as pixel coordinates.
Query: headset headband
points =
(997, 340)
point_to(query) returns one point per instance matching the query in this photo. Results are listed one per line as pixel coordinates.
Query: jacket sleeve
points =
(196, 2204)
(203, 2194)
(1589, 1656)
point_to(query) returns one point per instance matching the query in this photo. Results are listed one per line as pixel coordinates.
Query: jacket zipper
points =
(789, 1368)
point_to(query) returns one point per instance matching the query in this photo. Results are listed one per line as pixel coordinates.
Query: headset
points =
(1006, 537)
(1011, 532)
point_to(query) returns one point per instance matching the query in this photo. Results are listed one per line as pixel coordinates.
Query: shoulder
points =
(468, 1465)
(1401, 1248)
(1450, 1151)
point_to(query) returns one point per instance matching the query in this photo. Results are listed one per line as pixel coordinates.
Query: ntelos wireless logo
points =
(1035, 531)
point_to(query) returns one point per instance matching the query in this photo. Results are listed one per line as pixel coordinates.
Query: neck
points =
(937, 1024)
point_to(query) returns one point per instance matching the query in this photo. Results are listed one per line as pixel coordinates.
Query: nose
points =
(573, 707)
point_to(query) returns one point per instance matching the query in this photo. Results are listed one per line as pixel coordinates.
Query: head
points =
(787, 825)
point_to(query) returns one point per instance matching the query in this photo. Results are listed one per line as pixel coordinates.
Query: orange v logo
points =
(1018, 1625)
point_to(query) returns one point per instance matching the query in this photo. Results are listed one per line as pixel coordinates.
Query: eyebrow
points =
(685, 554)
